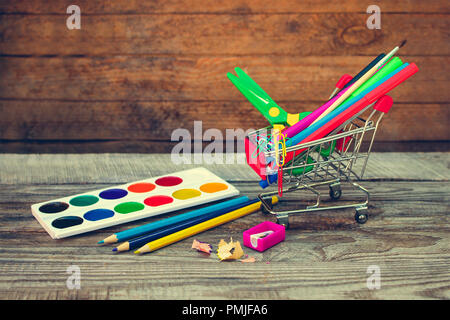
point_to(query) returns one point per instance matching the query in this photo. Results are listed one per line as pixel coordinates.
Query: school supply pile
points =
(321, 148)
(98, 209)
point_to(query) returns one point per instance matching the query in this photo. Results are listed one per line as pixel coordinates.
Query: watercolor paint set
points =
(103, 208)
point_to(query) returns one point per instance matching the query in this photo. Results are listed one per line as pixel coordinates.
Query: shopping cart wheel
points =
(335, 191)
(361, 215)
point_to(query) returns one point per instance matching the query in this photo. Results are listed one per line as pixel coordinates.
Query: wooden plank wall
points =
(139, 69)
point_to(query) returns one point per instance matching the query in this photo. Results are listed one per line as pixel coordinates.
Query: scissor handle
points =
(260, 100)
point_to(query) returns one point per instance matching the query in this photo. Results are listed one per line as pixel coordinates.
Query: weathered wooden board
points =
(225, 7)
(156, 121)
(135, 66)
(123, 168)
(157, 78)
(296, 34)
(325, 255)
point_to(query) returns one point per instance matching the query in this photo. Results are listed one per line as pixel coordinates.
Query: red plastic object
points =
(258, 163)
(384, 104)
(346, 78)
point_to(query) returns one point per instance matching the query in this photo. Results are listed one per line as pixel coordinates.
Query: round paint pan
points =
(184, 194)
(112, 194)
(141, 187)
(128, 207)
(98, 214)
(67, 222)
(168, 181)
(213, 187)
(83, 201)
(156, 201)
(53, 207)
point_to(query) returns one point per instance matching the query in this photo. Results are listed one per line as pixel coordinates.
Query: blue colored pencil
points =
(140, 241)
(152, 226)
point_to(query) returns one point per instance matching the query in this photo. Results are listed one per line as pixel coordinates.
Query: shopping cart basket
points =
(340, 157)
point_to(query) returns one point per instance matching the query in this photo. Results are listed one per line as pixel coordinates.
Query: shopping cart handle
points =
(384, 104)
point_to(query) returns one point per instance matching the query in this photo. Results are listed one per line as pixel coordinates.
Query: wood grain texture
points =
(156, 121)
(160, 146)
(202, 78)
(325, 254)
(136, 71)
(118, 168)
(225, 7)
(311, 34)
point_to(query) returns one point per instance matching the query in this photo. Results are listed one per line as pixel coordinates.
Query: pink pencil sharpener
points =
(263, 236)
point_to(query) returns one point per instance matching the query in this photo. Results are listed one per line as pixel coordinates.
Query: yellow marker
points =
(180, 235)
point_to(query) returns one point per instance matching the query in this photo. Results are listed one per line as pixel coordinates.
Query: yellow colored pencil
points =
(183, 234)
(360, 81)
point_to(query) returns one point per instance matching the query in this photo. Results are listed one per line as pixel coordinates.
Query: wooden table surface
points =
(325, 255)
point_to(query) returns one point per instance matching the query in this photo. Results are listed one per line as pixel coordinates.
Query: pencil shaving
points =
(229, 251)
(202, 246)
(248, 260)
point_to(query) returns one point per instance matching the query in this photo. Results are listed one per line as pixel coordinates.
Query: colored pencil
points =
(152, 226)
(300, 126)
(140, 241)
(359, 82)
(183, 234)
(346, 80)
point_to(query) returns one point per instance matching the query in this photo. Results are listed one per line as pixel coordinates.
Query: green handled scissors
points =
(262, 101)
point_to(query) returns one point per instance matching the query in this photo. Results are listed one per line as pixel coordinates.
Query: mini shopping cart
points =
(329, 161)
(328, 148)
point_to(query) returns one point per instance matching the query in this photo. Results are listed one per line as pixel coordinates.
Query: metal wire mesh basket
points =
(340, 157)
